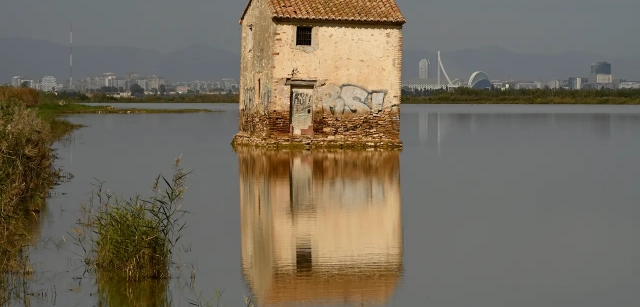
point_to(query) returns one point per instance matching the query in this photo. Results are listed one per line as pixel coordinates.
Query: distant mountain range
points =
(37, 58)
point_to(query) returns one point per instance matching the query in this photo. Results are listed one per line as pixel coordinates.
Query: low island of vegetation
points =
(104, 97)
(463, 95)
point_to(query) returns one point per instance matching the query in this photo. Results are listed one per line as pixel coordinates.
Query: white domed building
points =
(479, 80)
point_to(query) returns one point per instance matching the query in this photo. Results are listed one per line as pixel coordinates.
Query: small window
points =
(303, 36)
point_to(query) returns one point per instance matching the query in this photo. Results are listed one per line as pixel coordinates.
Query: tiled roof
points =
(337, 10)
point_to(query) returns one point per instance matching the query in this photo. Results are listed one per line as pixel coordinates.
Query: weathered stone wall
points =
(255, 68)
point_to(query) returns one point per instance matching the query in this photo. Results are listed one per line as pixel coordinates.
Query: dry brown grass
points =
(28, 96)
(26, 175)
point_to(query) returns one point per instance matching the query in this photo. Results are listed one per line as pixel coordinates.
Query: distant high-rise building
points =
(120, 85)
(131, 76)
(600, 71)
(227, 83)
(153, 82)
(16, 81)
(604, 78)
(27, 83)
(555, 84)
(577, 83)
(143, 84)
(603, 68)
(424, 67)
(48, 83)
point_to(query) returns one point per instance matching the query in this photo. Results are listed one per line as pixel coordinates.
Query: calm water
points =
(485, 206)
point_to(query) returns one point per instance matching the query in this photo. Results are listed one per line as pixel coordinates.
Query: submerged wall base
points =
(307, 142)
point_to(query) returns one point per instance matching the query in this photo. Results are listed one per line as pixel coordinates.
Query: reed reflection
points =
(320, 227)
(114, 291)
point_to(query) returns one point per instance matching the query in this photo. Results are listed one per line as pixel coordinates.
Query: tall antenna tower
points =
(70, 55)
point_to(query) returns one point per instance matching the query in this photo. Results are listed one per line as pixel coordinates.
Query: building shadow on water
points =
(320, 227)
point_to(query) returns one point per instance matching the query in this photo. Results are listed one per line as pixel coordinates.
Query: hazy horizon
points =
(520, 26)
(237, 51)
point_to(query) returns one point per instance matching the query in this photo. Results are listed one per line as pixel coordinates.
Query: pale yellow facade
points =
(311, 218)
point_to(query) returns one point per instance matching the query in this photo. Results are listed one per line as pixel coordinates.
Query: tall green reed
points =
(135, 237)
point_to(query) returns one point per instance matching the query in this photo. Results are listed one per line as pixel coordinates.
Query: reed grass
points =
(135, 237)
(26, 175)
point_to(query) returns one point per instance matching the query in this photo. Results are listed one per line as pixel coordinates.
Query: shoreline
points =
(286, 142)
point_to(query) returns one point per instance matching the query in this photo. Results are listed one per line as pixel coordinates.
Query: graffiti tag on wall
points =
(265, 99)
(248, 94)
(350, 99)
(301, 117)
(249, 102)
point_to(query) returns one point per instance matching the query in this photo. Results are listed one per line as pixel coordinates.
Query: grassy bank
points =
(537, 96)
(54, 110)
(457, 96)
(181, 98)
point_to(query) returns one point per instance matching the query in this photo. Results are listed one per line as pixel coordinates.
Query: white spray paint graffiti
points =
(301, 115)
(350, 99)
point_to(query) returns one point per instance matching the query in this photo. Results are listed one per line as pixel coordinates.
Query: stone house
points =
(321, 72)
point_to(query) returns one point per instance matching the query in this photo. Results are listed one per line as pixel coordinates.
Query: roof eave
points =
(246, 9)
(333, 20)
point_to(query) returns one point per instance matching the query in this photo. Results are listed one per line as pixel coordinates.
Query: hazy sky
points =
(608, 27)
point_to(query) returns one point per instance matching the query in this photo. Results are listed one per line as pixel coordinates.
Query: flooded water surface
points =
(484, 206)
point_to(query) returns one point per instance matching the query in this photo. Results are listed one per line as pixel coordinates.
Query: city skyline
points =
(110, 82)
(36, 58)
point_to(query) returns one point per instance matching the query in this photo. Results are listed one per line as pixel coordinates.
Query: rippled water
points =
(485, 206)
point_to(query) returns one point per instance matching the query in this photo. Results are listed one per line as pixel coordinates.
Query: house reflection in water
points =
(320, 227)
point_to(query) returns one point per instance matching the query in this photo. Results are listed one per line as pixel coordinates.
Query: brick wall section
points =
(278, 122)
(253, 123)
(377, 126)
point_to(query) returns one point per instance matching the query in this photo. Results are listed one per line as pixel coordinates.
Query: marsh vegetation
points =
(463, 95)
(26, 174)
(134, 237)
